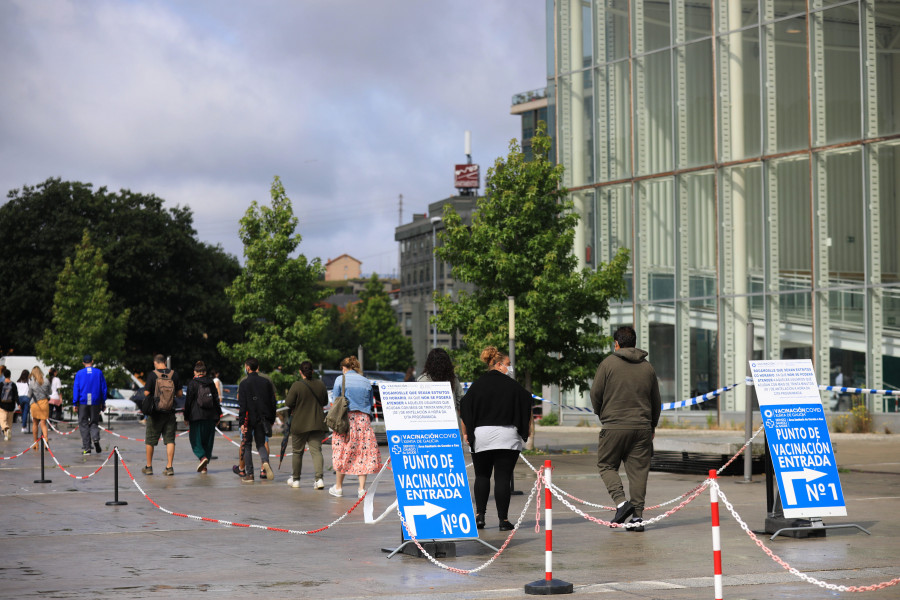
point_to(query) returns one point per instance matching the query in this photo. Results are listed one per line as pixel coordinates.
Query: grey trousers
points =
(89, 424)
(255, 433)
(634, 447)
(314, 439)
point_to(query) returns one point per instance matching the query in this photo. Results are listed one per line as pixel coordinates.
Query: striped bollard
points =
(716, 538)
(548, 586)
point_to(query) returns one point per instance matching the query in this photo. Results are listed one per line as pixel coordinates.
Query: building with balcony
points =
(747, 153)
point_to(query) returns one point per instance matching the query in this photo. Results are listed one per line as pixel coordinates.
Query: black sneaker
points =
(85, 452)
(506, 525)
(97, 447)
(623, 512)
(638, 528)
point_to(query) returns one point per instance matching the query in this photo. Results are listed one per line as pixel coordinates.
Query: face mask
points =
(509, 371)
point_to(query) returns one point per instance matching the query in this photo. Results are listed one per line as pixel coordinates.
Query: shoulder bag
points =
(338, 419)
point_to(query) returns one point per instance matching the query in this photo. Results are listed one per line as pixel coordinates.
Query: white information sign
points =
(427, 459)
(798, 438)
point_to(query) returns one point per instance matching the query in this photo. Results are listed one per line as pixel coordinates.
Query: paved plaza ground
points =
(61, 540)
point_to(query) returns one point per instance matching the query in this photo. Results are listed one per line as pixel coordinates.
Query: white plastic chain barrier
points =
(72, 475)
(537, 486)
(231, 523)
(795, 572)
(556, 488)
(31, 447)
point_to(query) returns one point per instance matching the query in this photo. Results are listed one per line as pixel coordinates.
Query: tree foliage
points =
(83, 322)
(520, 244)
(274, 297)
(385, 346)
(171, 282)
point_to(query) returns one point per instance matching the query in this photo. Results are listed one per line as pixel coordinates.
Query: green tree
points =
(83, 320)
(342, 335)
(170, 281)
(520, 244)
(384, 344)
(275, 295)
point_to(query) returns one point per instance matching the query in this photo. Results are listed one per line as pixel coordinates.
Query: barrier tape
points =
(794, 571)
(848, 390)
(31, 447)
(231, 523)
(72, 475)
(655, 506)
(436, 562)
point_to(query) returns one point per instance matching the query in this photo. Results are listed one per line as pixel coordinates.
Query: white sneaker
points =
(295, 483)
(360, 493)
(336, 491)
(319, 485)
(290, 481)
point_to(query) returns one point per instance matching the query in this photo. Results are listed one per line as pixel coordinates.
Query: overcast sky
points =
(350, 102)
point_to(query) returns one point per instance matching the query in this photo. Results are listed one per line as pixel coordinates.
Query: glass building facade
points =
(747, 153)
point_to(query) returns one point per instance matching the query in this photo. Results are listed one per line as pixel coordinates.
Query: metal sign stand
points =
(436, 548)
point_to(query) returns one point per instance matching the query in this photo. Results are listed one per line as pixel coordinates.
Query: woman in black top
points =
(496, 413)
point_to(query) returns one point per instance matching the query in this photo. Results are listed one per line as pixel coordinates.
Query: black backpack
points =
(8, 396)
(205, 397)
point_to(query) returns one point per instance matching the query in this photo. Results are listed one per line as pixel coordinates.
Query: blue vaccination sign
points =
(798, 439)
(427, 460)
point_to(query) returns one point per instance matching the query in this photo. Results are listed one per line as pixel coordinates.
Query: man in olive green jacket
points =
(625, 395)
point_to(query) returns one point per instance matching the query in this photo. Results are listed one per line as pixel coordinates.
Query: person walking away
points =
(355, 452)
(306, 400)
(24, 401)
(160, 390)
(625, 395)
(89, 399)
(496, 414)
(201, 412)
(55, 395)
(8, 398)
(39, 393)
(256, 402)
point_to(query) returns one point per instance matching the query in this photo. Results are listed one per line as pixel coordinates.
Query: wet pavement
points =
(61, 540)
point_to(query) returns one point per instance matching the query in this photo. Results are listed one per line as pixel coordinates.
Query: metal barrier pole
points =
(43, 479)
(548, 585)
(716, 539)
(116, 501)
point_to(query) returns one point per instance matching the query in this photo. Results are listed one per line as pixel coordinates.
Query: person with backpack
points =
(256, 413)
(89, 399)
(160, 390)
(8, 398)
(201, 412)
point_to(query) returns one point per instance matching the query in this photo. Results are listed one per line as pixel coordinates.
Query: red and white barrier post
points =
(548, 585)
(716, 538)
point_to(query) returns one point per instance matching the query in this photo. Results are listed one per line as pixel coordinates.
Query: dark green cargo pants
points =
(634, 447)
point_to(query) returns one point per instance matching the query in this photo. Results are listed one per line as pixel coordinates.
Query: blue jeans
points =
(24, 403)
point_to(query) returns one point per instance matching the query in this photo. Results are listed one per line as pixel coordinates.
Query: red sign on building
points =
(466, 177)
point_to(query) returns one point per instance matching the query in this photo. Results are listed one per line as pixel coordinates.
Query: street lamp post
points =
(434, 222)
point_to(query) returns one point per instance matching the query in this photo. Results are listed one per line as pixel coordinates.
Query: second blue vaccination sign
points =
(798, 439)
(427, 459)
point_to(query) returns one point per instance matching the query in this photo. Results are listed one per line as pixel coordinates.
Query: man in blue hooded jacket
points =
(89, 399)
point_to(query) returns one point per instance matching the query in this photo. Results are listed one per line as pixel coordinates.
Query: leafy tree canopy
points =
(520, 244)
(274, 297)
(171, 282)
(82, 317)
(385, 346)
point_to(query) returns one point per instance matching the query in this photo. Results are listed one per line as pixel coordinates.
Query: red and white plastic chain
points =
(655, 519)
(231, 523)
(655, 506)
(131, 439)
(538, 484)
(72, 475)
(795, 572)
(53, 427)
(31, 447)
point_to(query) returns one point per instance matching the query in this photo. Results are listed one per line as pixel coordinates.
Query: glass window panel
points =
(847, 308)
(889, 209)
(742, 188)
(891, 313)
(736, 14)
(847, 369)
(587, 34)
(550, 20)
(652, 25)
(791, 192)
(612, 20)
(699, 193)
(704, 361)
(576, 102)
(698, 19)
(836, 77)
(739, 117)
(656, 241)
(846, 252)
(887, 52)
(662, 356)
(614, 226)
(791, 108)
(613, 122)
(653, 112)
(795, 331)
(783, 8)
(695, 130)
